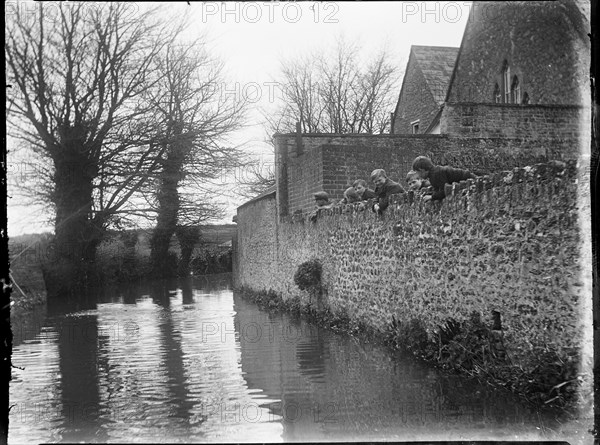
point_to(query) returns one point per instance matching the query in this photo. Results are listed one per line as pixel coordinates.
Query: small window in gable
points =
(497, 94)
(525, 99)
(415, 126)
(515, 90)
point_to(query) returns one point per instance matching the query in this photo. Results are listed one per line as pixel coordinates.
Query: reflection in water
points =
(187, 361)
(170, 338)
(78, 358)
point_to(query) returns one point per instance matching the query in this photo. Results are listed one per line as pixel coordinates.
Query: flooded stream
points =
(190, 361)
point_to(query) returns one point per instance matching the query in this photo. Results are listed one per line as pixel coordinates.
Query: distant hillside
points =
(27, 249)
(28, 238)
(26, 245)
(211, 234)
(218, 233)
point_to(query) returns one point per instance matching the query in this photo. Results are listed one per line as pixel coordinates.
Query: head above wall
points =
(340, 161)
(321, 195)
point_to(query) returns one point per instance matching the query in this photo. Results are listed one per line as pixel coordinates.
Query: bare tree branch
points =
(334, 92)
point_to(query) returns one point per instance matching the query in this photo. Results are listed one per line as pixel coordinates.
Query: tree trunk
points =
(168, 201)
(77, 234)
(188, 237)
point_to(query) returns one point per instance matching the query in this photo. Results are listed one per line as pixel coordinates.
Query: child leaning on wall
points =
(365, 193)
(322, 201)
(350, 196)
(421, 187)
(415, 182)
(384, 188)
(439, 176)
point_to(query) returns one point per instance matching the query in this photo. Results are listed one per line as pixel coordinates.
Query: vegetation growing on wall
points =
(472, 347)
(415, 276)
(308, 278)
(308, 275)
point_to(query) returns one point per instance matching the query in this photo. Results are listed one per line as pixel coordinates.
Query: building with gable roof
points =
(424, 88)
(528, 53)
(522, 71)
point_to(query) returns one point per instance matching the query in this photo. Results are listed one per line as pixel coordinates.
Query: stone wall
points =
(305, 175)
(255, 245)
(332, 162)
(545, 44)
(510, 244)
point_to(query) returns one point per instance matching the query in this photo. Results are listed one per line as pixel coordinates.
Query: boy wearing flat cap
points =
(323, 203)
(322, 200)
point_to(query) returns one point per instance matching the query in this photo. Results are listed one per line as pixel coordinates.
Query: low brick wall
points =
(509, 244)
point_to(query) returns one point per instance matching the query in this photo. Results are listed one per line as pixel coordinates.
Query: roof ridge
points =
(434, 46)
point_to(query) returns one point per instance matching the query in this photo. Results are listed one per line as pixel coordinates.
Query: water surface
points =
(190, 361)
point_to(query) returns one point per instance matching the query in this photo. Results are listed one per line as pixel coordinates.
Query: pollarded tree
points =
(80, 77)
(194, 119)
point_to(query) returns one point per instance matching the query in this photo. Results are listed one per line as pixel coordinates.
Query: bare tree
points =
(82, 77)
(328, 92)
(303, 101)
(336, 93)
(340, 89)
(258, 178)
(194, 119)
(379, 92)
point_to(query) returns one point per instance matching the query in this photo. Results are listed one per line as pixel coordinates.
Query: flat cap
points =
(322, 195)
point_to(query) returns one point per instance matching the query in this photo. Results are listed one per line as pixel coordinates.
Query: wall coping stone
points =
(516, 106)
(364, 135)
(540, 173)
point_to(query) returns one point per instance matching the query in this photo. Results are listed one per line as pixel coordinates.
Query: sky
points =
(251, 38)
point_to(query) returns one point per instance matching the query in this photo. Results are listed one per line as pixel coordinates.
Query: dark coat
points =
(441, 175)
(368, 194)
(383, 193)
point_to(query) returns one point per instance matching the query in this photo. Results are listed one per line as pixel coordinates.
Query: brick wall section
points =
(529, 122)
(545, 44)
(416, 101)
(514, 248)
(305, 176)
(332, 162)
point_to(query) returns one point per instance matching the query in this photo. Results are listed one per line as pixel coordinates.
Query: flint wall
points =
(510, 242)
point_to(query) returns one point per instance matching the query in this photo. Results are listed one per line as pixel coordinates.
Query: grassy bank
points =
(26, 253)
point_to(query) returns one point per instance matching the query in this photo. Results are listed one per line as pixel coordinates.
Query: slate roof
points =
(436, 64)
